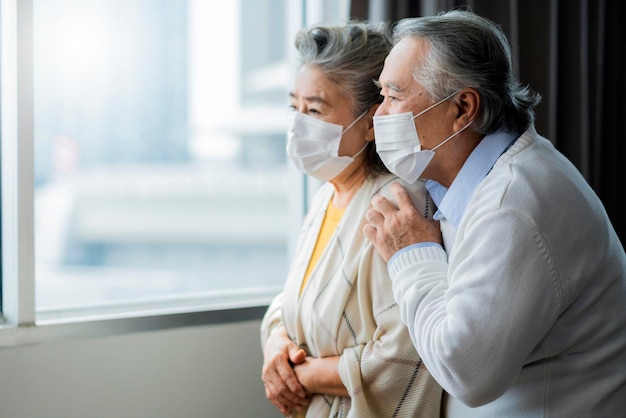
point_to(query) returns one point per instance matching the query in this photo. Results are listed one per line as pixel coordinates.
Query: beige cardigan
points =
(347, 308)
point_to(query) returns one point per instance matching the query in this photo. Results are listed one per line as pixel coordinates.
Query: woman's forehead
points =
(312, 84)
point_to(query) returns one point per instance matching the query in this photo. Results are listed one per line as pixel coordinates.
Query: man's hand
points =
(392, 228)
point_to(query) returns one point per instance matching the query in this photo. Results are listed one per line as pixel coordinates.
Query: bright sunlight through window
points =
(160, 170)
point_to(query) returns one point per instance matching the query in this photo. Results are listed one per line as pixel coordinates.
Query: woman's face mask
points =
(313, 146)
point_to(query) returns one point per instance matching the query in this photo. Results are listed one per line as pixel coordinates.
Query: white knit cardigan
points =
(524, 315)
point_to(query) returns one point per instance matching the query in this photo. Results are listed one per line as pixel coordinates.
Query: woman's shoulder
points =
(417, 192)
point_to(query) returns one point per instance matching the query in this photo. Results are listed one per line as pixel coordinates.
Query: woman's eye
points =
(314, 111)
(292, 107)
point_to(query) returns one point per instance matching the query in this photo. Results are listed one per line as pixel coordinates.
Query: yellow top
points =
(329, 224)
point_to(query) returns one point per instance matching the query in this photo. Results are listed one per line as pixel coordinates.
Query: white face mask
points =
(398, 144)
(313, 146)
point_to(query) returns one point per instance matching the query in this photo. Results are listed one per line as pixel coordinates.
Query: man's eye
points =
(388, 98)
(314, 111)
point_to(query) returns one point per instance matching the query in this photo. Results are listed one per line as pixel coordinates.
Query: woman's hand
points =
(282, 387)
(321, 375)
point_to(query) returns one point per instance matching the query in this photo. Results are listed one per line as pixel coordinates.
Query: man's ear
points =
(468, 103)
(369, 137)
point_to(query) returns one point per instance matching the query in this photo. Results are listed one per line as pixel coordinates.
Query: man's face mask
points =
(398, 144)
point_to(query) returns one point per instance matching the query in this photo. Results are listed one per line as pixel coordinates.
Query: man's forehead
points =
(395, 76)
(397, 73)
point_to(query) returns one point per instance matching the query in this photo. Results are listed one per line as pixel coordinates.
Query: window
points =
(159, 150)
(143, 163)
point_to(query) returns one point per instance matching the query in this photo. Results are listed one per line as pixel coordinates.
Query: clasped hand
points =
(392, 228)
(282, 387)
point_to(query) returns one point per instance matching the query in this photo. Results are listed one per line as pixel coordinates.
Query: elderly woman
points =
(333, 342)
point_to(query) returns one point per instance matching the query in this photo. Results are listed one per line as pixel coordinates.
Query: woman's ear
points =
(369, 136)
(468, 103)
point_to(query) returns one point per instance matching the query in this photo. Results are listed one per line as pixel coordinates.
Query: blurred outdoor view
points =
(160, 168)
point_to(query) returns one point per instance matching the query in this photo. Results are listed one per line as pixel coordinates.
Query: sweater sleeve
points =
(475, 320)
(272, 320)
(384, 374)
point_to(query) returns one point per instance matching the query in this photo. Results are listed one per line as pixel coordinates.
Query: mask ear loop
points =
(361, 150)
(453, 135)
(355, 121)
(350, 126)
(436, 104)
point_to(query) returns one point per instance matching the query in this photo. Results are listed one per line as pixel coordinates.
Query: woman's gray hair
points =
(351, 55)
(467, 50)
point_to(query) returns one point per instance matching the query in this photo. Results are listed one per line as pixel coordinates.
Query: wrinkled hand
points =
(282, 387)
(321, 375)
(305, 373)
(392, 228)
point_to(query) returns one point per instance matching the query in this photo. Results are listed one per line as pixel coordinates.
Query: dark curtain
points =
(572, 52)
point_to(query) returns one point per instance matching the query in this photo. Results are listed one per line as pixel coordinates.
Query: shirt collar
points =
(451, 202)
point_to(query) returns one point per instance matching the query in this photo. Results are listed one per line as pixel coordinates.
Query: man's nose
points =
(381, 110)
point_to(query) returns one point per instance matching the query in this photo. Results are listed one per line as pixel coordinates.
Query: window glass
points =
(159, 131)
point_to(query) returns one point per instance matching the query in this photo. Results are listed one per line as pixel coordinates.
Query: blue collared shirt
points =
(452, 202)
